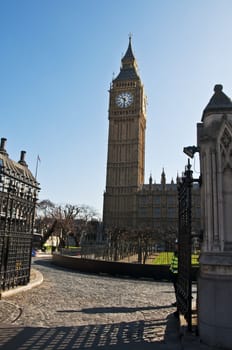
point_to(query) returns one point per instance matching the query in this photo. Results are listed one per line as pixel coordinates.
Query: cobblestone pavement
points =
(70, 310)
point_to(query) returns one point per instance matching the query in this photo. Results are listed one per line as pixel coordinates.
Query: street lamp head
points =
(191, 150)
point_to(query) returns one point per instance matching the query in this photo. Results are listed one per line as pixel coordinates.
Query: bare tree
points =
(88, 213)
(53, 219)
(45, 222)
(66, 220)
(65, 215)
(45, 208)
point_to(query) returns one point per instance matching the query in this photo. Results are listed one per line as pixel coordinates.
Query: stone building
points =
(128, 202)
(157, 206)
(214, 139)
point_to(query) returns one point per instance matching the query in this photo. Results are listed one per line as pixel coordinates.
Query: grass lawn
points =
(165, 258)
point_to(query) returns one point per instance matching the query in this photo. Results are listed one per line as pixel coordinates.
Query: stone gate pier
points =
(214, 135)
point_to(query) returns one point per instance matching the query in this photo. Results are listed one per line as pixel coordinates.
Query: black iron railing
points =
(18, 195)
(184, 282)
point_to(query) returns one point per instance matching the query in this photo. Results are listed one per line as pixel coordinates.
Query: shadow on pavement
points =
(115, 309)
(139, 335)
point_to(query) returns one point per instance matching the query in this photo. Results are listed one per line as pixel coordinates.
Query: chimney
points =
(2, 146)
(22, 158)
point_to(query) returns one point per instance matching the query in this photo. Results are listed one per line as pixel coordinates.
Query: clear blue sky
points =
(57, 61)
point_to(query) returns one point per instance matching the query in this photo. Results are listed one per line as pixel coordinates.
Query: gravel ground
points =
(98, 312)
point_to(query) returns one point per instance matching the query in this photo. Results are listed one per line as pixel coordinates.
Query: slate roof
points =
(18, 170)
(12, 168)
(127, 74)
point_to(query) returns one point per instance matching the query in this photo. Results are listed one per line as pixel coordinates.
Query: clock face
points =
(124, 99)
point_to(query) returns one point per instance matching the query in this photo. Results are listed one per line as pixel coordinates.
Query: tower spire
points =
(129, 68)
(129, 56)
(150, 181)
(163, 179)
(218, 102)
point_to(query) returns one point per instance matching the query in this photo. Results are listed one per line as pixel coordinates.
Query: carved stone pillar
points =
(215, 279)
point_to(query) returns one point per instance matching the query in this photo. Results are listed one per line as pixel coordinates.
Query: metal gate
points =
(15, 241)
(18, 194)
(184, 281)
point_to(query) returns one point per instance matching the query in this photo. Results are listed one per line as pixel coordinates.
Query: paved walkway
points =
(70, 310)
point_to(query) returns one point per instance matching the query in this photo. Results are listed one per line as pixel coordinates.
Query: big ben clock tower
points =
(126, 145)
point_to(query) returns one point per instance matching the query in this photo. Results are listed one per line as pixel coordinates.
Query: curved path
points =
(70, 310)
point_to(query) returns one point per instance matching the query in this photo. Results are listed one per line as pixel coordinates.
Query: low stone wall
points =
(156, 272)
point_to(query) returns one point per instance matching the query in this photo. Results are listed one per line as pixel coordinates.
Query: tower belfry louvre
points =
(126, 144)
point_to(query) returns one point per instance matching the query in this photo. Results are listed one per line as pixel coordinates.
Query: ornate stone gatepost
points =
(215, 279)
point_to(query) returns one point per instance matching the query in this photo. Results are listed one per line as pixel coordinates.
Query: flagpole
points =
(37, 165)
